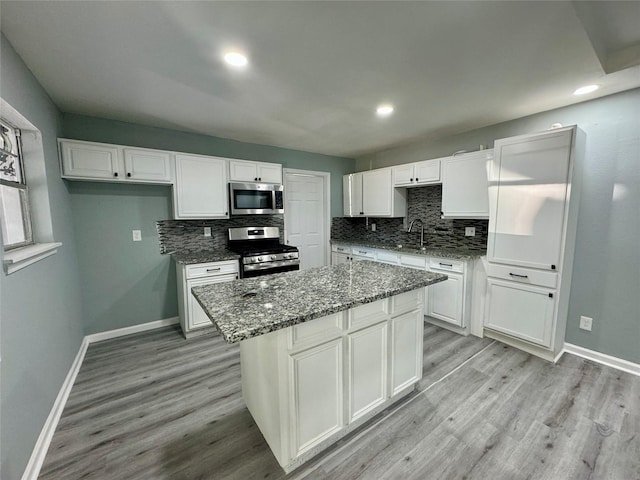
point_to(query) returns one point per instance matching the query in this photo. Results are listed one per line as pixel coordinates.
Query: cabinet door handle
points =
(128, 174)
(255, 179)
(213, 269)
(446, 264)
(411, 179)
(519, 276)
(417, 179)
(115, 174)
(259, 179)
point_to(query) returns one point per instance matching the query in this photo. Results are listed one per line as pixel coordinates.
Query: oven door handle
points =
(270, 265)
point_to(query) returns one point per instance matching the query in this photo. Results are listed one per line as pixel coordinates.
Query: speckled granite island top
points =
(255, 306)
(452, 253)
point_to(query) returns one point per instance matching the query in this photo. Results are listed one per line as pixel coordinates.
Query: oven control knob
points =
(286, 255)
(259, 259)
(273, 257)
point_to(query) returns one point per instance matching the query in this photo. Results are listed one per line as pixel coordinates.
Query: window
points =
(14, 199)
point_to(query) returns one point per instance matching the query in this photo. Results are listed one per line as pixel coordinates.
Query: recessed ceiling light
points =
(586, 89)
(236, 59)
(384, 110)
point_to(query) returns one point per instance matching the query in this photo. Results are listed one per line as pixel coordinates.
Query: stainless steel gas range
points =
(261, 252)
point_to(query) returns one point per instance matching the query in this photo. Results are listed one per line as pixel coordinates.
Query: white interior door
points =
(305, 218)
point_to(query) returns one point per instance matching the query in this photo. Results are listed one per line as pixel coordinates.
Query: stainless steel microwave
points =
(256, 198)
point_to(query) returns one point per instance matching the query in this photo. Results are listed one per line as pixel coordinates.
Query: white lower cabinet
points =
(406, 349)
(445, 299)
(192, 316)
(316, 394)
(520, 310)
(449, 302)
(308, 385)
(446, 304)
(367, 369)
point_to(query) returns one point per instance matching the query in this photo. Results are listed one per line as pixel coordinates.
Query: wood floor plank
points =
(156, 406)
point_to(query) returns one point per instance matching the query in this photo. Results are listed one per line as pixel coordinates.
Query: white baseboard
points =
(46, 434)
(121, 332)
(602, 358)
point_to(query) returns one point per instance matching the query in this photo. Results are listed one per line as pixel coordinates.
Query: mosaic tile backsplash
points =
(187, 236)
(423, 203)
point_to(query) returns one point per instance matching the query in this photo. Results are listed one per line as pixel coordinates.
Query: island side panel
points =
(262, 368)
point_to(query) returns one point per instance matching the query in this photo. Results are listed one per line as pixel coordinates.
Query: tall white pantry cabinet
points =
(534, 189)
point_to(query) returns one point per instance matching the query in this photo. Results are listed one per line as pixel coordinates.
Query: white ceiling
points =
(318, 69)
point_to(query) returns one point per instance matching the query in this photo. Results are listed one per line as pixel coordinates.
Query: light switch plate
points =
(207, 231)
(137, 235)
(470, 231)
(586, 323)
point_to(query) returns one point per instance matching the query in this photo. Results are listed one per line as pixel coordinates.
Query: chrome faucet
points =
(410, 228)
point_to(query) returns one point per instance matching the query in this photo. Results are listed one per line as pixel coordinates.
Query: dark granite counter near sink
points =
(452, 253)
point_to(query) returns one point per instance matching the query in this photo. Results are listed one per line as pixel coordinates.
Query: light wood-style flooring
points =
(156, 406)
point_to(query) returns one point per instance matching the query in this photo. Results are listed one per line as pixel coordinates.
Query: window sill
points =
(20, 258)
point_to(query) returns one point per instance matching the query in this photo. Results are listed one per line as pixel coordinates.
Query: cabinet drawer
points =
(526, 276)
(385, 256)
(367, 253)
(317, 330)
(413, 261)
(446, 264)
(211, 269)
(341, 249)
(405, 302)
(368, 314)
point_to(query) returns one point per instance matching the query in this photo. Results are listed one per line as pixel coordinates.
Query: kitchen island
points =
(322, 350)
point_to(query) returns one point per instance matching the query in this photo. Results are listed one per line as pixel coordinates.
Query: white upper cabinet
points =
(200, 190)
(248, 171)
(90, 160)
(151, 165)
(371, 194)
(417, 174)
(352, 195)
(528, 187)
(465, 188)
(377, 193)
(113, 163)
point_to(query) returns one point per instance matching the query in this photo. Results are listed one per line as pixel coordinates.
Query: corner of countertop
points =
(204, 256)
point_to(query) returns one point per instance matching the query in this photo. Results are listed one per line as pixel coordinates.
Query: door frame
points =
(326, 179)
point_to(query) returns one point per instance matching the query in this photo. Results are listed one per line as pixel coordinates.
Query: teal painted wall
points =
(40, 308)
(127, 283)
(123, 282)
(606, 273)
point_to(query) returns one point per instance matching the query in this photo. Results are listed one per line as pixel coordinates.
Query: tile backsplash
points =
(423, 203)
(187, 236)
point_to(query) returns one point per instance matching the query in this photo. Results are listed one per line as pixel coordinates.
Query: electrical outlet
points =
(470, 231)
(373, 227)
(585, 323)
(137, 235)
(207, 231)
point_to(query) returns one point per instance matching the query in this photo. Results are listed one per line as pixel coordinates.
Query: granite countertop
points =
(219, 255)
(255, 306)
(452, 253)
